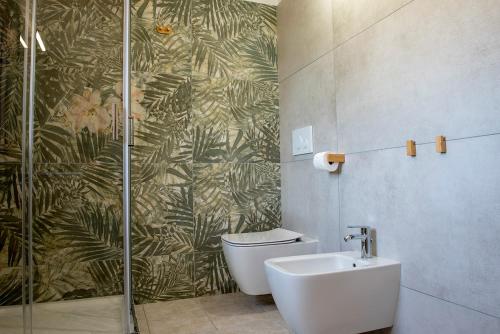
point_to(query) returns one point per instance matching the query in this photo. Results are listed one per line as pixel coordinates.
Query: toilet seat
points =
(245, 254)
(277, 236)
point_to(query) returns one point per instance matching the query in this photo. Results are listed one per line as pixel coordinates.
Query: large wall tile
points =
(162, 207)
(161, 53)
(11, 238)
(350, 17)
(310, 202)
(305, 33)
(308, 98)
(419, 313)
(161, 106)
(234, 39)
(160, 278)
(430, 68)
(11, 283)
(212, 274)
(77, 213)
(76, 280)
(438, 214)
(239, 120)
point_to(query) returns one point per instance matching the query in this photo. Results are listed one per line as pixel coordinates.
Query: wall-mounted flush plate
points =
(302, 140)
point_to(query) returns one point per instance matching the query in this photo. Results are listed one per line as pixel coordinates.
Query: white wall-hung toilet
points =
(245, 254)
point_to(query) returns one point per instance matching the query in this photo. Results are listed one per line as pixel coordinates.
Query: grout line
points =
(381, 149)
(146, 317)
(475, 136)
(372, 25)
(404, 146)
(425, 143)
(208, 316)
(451, 302)
(211, 321)
(339, 208)
(339, 175)
(335, 47)
(304, 66)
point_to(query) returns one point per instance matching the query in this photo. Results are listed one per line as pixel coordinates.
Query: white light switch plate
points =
(302, 140)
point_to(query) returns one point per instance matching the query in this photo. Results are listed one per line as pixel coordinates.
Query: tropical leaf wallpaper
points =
(206, 159)
(206, 154)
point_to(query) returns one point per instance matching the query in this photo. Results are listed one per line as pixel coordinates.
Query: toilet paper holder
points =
(336, 158)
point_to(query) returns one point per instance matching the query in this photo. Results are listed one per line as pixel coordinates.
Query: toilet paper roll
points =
(320, 162)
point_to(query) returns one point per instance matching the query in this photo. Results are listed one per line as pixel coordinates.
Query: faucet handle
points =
(365, 229)
(359, 226)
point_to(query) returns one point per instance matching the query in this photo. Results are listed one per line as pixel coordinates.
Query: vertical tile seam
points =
(337, 133)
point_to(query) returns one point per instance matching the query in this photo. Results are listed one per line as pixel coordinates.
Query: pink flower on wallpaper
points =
(86, 111)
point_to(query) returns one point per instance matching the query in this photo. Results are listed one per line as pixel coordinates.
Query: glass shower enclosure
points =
(65, 137)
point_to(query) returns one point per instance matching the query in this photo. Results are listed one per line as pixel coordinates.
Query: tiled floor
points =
(84, 316)
(221, 314)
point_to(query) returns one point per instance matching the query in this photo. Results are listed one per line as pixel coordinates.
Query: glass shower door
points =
(14, 63)
(76, 168)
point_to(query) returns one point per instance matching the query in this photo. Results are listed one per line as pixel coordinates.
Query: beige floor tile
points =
(58, 331)
(221, 314)
(6, 330)
(176, 314)
(83, 316)
(195, 326)
(11, 318)
(183, 308)
(264, 322)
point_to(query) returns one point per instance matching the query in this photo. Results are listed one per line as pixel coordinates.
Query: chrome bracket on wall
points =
(131, 131)
(114, 121)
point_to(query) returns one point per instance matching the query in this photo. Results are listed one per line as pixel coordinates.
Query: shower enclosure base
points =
(82, 316)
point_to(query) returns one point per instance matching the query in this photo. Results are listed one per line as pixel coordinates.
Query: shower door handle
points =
(114, 121)
(131, 141)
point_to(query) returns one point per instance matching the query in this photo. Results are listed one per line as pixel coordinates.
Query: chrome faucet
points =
(366, 240)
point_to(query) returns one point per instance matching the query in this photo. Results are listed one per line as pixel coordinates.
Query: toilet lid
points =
(272, 237)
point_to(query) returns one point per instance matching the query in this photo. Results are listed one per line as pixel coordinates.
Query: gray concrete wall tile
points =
(308, 98)
(431, 68)
(438, 214)
(305, 33)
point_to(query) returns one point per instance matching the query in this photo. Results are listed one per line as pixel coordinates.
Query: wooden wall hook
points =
(441, 144)
(336, 158)
(411, 148)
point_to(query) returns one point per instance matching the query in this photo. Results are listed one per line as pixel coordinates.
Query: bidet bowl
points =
(334, 293)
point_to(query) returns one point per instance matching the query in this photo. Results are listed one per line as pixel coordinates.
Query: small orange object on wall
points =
(336, 158)
(411, 148)
(441, 144)
(165, 29)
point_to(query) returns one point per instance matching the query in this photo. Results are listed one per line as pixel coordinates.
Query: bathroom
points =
(249, 166)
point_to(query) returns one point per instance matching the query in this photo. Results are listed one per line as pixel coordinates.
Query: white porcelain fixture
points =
(335, 293)
(246, 252)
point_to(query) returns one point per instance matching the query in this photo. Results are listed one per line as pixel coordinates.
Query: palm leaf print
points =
(204, 98)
